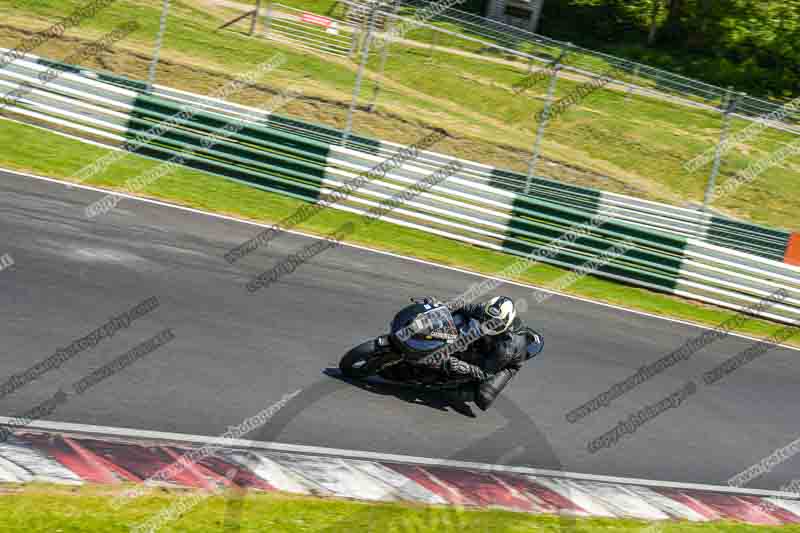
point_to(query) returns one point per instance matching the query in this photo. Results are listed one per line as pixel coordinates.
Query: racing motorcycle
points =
(418, 330)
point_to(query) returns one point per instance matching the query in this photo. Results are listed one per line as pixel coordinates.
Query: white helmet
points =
(500, 313)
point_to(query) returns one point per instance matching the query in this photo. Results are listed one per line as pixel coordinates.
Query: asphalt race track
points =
(235, 353)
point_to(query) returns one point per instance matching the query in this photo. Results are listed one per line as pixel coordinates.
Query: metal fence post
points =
(360, 74)
(630, 85)
(357, 31)
(536, 15)
(543, 122)
(267, 20)
(353, 43)
(151, 72)
(255, 17)
(387, 41)
(730, 107)
(433, 44)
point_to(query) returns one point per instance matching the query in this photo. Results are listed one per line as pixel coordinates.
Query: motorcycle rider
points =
(492, 360)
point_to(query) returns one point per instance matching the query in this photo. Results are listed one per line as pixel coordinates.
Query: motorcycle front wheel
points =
(365, 360)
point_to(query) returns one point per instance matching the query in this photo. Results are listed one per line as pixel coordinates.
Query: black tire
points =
(359, 362)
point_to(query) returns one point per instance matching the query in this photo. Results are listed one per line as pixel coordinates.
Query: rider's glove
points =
(455, 367)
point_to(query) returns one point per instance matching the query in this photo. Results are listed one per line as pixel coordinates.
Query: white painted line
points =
(149, 435)
(381, 252)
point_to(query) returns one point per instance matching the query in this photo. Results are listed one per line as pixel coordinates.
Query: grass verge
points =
(634, 145)
(41, 152)
(43, 508)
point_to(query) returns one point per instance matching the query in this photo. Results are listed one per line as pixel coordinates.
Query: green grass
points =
(40, 508)
(31, 149)
(650, 140)
(635, 146)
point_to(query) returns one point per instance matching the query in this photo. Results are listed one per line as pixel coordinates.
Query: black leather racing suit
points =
(491, 361)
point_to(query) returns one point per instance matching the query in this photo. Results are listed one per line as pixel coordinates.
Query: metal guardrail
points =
(358, 14)
(286, 156)
(729, 233)
(738, 235)
(284, 27)
(307, 30)
(664, 81)
(287, 25)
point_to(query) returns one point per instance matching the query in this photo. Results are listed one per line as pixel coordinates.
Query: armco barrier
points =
(742, 236)
(90, 455)
(659, 247)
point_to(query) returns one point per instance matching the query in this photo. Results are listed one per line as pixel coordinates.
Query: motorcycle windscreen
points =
(433, 329)
(437, 323)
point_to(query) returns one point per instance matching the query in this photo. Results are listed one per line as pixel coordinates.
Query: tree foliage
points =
(753, 45)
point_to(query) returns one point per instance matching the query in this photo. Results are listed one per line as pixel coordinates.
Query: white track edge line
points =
(130, 433)
(381, 252)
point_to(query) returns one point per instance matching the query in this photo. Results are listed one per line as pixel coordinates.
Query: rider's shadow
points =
(434, 399)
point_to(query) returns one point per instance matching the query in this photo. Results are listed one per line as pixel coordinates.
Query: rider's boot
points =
(464, 393)
(488, 391)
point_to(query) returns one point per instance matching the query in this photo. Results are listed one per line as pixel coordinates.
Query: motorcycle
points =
(418, 330)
